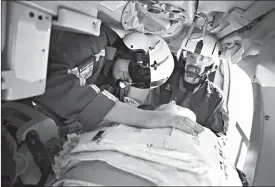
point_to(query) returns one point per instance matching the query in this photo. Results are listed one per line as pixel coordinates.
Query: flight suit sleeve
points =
(219, 121)
(68, 49)
(111, 36)
(65, 97)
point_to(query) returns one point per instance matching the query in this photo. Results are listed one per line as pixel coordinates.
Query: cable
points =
(196, 6)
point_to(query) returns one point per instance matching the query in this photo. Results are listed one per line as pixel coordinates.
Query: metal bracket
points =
(25, 52)
(203, 27)
(239, 18)
(70, 20)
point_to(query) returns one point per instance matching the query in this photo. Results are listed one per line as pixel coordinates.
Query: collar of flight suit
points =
(109, 57)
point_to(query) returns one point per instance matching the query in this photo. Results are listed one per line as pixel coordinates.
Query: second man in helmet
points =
(190, 87)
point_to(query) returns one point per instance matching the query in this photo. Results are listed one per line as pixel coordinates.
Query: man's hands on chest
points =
(162, 120)
(128, 115)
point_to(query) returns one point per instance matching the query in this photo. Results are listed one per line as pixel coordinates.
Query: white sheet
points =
(74, 182)
(156, 155)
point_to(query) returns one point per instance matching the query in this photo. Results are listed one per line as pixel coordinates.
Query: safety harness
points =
(85, 69)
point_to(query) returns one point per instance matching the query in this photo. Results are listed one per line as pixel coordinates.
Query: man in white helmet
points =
(78, 62)
(145, 62)
(189, 85)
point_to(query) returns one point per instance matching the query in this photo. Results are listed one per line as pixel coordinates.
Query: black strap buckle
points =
(98, 135)
(40, 155)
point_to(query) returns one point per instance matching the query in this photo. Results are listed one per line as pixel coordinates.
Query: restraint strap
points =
(85, 69)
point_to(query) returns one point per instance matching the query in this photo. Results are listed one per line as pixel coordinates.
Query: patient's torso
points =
(172, 142)
(105, 174)
(167, 157)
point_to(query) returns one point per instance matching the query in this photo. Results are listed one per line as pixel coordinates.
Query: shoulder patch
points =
(130, 101)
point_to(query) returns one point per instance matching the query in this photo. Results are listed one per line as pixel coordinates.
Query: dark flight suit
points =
(206, 101)
(66, 94)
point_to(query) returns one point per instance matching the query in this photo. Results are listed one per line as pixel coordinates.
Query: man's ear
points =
(115, 69)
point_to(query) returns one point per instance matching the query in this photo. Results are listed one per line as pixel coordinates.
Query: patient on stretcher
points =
(117, 154)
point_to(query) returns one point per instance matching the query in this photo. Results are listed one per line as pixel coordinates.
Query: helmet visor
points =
(140, 75)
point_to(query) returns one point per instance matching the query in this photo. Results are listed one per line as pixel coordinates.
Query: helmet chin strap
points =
(191, 87)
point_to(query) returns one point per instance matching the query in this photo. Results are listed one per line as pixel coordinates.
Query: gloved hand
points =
(232, 49)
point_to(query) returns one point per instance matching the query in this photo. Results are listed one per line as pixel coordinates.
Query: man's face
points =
(120, 70)
(195, 66)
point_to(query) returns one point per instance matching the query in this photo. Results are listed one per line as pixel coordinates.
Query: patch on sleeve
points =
(130, 101)
(95, 88)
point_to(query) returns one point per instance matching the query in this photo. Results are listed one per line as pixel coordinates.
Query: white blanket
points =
(162, 157)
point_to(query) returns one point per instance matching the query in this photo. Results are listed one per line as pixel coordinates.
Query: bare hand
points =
(179, 122)
(232, 51)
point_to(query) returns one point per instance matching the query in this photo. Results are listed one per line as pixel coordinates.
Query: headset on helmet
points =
(151, 60)
(207, 46)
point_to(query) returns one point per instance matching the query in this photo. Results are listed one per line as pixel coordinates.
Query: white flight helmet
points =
(151, 63)
(207, 46)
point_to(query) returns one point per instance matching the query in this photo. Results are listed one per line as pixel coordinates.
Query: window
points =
(240, 107)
